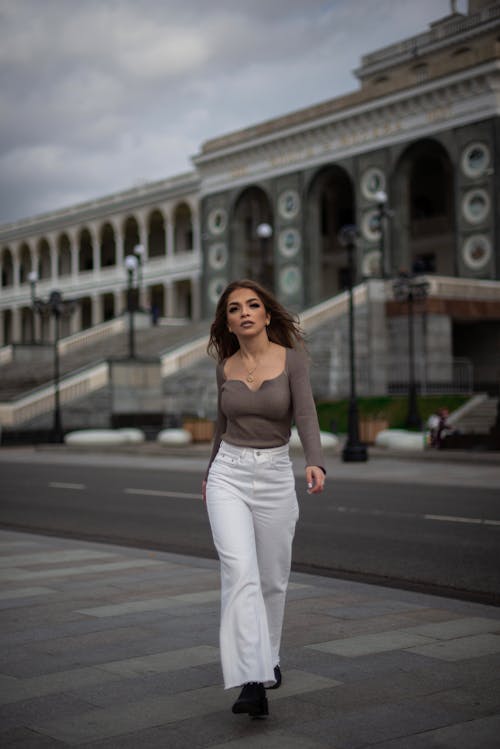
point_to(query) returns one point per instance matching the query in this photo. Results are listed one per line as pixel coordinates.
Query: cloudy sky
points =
(101, 95)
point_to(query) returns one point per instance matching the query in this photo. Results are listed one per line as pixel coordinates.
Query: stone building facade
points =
(412, 158)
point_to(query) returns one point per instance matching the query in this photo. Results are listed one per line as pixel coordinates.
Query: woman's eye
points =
(232, 309)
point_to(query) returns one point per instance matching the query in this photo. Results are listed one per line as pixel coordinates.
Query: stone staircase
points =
(478, 418)
(18, 378)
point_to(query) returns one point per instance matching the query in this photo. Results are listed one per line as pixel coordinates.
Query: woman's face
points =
(245, 312)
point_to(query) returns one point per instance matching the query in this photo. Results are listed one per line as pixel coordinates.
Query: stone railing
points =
(446, 287)
(91, 335)
(6, 354)
(332, 308)
(42, 400)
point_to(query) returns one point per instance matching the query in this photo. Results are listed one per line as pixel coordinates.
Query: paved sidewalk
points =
(112, 647)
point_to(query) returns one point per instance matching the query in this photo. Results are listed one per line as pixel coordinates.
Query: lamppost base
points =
(355, 453)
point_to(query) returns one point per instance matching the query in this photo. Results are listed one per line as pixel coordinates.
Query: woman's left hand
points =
(315, 479)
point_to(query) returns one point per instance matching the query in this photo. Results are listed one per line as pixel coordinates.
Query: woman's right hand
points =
(204, 491)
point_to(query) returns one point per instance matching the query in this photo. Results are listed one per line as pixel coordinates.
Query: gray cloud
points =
(97, 96)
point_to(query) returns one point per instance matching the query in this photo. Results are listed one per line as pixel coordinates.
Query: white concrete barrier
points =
(174, 437)
(400, 439)
(328, 441)
(104, 437)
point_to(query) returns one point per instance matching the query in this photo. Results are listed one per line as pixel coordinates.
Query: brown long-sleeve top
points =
(263, 418)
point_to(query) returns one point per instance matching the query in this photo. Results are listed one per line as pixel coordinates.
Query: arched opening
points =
(86, 312)
(44, 264)
(7, 268)
(423, 199)
(108, 307)
(157, 299)
(63, 256)
(27, 325)
(131, 232)
(183, 299)
(254, 252)
(85, 254)
(330, 206)
(107, 246)
(183, 230)
(156, 234)
(7, 326)
(24, 263)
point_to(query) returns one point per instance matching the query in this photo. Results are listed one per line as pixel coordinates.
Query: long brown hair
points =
(283, 327)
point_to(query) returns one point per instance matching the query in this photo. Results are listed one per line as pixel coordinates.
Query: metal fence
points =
(441, 376)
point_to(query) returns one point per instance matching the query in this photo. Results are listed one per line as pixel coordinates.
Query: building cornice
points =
(454, 29)
(424, 109)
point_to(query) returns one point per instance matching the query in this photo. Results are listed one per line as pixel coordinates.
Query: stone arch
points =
(7, 325)
(86, 312)
(108, 307)
(85, 253)
(253, 254)
(183, 228)
(156, 234)
(131, 235)
(330, 206)
(44, 262)
(107, 246)
(7, 268)
(24, 263)
(424, 210)
(63, 255)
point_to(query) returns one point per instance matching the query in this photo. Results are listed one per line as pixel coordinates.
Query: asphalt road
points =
(434, 537)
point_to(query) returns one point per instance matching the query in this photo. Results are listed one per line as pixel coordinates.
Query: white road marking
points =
(458, 519)
(159, 493)
(415, 516)
(61, 485)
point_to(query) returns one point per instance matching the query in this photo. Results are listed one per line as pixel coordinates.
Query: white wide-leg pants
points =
(253, 509)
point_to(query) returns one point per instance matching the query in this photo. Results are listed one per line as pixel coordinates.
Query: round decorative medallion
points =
(476, 206)
(217, 221)
(289, 242)
(290, 279)
(215, 289)
(475, 159)
(370, 225)
(476, 251)
(217, 255)
(372, 181)
(370, 265)
(288, 204)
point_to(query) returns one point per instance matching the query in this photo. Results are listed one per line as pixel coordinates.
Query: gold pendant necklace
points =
(249, 372)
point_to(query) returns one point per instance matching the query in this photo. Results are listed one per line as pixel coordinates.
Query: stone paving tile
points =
(461, 648)
(23, 738)
(369, 726)
(153, 604)
(353, 647)
(104, 723)
(171, 660)
(51, 707)
(482, 733)
(16, 593)
(459, 627)
(89, 569)
(54, 557)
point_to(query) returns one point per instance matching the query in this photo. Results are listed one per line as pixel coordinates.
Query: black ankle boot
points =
(252, 700)
(277, 676)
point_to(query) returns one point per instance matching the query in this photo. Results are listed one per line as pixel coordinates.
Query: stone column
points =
(195, 299)
(73, 248)
(170, 238)
(16, 324)
(169, 299)
(97, 311)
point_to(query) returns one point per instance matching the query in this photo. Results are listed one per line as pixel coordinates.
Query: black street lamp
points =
(354, 450)
(383, 213)
(408, 288)
(131, 264)
(139, 252)
(56, 307)
(33, 278)
(263, 273)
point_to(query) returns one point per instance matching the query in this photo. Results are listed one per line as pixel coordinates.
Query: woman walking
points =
(263, 385)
